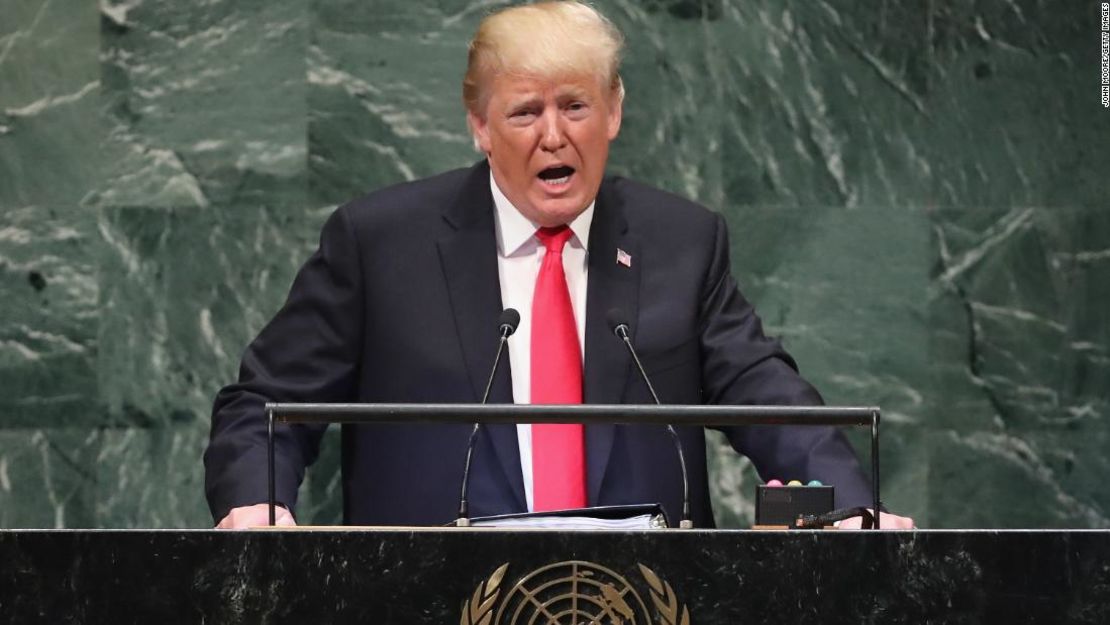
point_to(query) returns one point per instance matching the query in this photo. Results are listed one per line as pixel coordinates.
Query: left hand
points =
(886, 521)
(254, 517)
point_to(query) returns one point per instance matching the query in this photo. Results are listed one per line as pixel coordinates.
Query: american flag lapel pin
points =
(623, 258)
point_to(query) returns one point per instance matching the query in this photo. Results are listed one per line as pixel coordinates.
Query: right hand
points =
(258, 515)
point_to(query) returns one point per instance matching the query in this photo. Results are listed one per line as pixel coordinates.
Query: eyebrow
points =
(532, 99)
(523, 101)
(572, 92)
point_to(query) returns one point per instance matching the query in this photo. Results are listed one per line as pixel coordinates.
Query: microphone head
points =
(510, 319)
(616, 320)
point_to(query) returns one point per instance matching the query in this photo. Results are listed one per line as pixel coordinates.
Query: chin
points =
(560, 212)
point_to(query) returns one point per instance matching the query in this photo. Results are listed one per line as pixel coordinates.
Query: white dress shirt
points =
(519, 256)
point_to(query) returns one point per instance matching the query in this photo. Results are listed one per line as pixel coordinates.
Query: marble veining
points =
(915, 196)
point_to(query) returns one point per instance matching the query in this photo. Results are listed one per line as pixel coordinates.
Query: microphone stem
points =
(685, 523)
(640, 366)
(496, 359)
(464, 508)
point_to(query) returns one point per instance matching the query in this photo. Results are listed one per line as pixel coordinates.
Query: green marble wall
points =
(913, 192)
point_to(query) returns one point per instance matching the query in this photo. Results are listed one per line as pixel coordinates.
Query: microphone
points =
(616, 320)
(506, 325)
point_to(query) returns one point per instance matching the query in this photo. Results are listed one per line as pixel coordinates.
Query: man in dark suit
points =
(400, 304)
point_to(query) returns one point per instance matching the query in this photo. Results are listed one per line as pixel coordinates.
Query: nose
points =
(554, 135)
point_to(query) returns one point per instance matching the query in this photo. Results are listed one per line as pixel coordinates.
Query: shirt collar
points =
(514, 229)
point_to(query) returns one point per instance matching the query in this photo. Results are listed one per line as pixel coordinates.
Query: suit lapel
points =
(468, 256)
(610, 285)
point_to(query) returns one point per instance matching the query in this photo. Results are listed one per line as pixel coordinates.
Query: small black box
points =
(781, 505)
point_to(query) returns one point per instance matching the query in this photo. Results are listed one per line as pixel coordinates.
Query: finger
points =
(851, 523)
(228, 522)
(893, 521)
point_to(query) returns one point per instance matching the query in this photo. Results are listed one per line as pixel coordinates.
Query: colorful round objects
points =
(794, 483)
(774, 483)
(815, 483)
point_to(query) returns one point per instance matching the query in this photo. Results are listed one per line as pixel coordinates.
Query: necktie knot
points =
(554, 239)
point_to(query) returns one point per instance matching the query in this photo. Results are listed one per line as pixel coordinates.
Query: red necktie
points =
(558, 450)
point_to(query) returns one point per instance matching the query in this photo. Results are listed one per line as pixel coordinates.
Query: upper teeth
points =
(557, 180)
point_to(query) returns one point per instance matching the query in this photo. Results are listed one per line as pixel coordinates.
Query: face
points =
(547, 141)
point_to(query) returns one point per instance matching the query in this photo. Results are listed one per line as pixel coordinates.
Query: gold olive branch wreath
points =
(663, 598)
(478, 610)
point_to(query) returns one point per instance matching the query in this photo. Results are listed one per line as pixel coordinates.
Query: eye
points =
(577, 109)
(521, 117)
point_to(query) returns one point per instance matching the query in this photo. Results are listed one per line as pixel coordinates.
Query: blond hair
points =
(546, 39)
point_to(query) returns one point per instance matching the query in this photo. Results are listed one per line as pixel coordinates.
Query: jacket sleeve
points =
(309, 352)
(742, 366)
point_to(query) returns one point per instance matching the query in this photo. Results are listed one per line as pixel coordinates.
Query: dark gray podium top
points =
(448, 576)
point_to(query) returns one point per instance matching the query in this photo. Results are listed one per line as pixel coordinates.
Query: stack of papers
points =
(634, 517)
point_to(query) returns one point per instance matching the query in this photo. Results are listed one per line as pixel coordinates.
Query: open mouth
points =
(555, 176)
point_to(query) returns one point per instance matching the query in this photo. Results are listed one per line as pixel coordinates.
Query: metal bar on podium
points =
(875, 465)
(650, 414)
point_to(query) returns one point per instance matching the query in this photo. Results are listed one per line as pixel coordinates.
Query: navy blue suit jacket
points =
(400, 304)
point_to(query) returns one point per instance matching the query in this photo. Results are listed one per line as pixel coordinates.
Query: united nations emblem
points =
(573, 593)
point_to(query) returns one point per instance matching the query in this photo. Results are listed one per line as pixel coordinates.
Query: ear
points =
(480, 129)
(615, 111)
